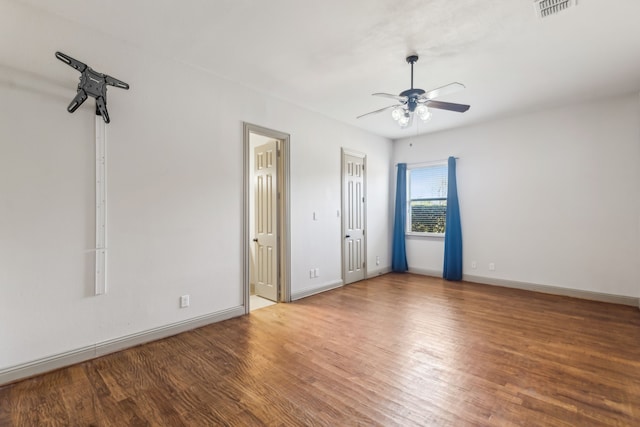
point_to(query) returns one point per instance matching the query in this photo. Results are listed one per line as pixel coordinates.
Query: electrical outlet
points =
(311, 274)
(316, 272)
(184, 301)
(377, 260)
(492, 266)
(474, 264)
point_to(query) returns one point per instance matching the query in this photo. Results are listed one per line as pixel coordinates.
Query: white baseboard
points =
(378, 272)
(322, 288)
(554, 290)
(545, 289)
(426, 272)
(46, 364)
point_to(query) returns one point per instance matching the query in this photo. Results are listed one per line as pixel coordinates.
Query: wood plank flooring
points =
(399, 349)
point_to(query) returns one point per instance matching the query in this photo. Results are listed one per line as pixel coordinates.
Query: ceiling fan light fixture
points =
(423, 112)
(405, 120)
(397, 113)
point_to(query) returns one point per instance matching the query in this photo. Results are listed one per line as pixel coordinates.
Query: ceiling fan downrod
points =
(412, 94)
(412, 59)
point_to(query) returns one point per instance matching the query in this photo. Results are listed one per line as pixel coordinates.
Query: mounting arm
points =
(92, 83)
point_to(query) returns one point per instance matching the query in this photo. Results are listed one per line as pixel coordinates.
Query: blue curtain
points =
(453, 233)
(399, 253)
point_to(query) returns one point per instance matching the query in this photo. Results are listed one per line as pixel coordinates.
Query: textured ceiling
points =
(329, 56)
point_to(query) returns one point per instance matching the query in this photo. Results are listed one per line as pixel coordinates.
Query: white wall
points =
(552, 197)
(315, 187)
(175, 190)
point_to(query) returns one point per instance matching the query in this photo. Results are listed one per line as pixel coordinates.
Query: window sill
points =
(428, 235)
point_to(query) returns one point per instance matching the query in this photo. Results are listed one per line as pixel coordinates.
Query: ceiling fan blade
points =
(444, 90)
(402, 99)
(460, 108)
(378, 111)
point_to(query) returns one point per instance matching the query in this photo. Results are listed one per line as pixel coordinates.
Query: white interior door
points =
(266, 215)
(353, 219)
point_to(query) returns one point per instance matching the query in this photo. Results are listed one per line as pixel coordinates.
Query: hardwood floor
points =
(395, 350)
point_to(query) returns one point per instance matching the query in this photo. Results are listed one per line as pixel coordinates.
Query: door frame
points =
(343, 152)
(284, 212)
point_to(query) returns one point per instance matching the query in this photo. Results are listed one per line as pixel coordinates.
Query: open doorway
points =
(266, 217)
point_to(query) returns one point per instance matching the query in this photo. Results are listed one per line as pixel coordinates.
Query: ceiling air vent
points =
(546, 8)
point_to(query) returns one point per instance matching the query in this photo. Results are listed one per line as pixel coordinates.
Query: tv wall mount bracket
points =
(92, 83)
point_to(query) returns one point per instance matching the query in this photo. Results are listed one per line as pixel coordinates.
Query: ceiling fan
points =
(416, 101)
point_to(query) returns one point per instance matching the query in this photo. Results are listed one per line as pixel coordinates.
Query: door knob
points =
(347, 236)
(255, 240)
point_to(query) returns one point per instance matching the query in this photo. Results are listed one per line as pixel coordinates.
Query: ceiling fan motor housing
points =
(412, 97)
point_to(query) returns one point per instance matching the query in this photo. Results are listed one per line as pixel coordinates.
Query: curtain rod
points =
(429, 162)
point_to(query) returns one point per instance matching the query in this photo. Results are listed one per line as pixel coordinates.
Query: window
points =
(427, 199)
